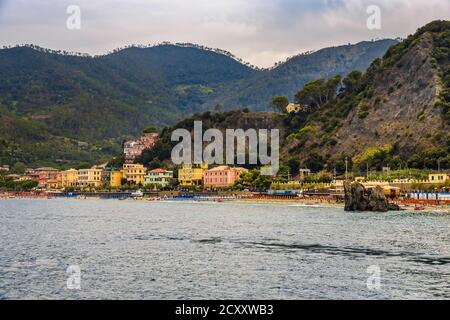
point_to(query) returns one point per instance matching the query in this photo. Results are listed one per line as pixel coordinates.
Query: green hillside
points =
(287, 78)
(394, 115)
(100, 101)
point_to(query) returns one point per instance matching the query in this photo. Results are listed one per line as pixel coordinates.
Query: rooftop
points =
(158, 171)
(46, 169)
(223, 168)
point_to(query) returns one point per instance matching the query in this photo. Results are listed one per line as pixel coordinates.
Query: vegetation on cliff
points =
(393, 115)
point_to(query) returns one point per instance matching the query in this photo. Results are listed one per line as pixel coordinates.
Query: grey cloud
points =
(261, 32)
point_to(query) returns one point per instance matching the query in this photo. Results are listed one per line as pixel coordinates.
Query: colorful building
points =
(221, 177)
(191, 175)
(134, 173)
(160, 177)
(109, 174)
(133, 149)
(90, 178)
(115, 179)
(68, 178)
(52, 184)
(438, 177)
(293, 108)
(42, 175)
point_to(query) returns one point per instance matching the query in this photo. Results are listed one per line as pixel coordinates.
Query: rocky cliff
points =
(358, 198)
(396, 114)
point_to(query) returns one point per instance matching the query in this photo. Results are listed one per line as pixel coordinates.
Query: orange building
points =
(221, 177)
(43, 175)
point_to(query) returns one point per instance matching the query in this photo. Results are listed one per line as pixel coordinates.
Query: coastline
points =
(307, 203)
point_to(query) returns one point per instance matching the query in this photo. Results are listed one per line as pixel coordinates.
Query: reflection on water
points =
(139, 250)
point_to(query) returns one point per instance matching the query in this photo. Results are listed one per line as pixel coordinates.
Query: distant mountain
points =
(100, 100)
(103, 100)
(113, 95)
(287, 78)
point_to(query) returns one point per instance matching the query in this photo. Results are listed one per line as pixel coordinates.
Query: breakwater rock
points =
(358, 198)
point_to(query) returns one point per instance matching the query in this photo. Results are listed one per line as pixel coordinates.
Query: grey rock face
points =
(394, 207)
(358, 198)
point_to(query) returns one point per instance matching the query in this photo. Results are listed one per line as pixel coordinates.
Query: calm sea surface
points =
(140, 250)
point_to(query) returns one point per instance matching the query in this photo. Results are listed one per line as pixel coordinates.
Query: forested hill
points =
(287, 78)
(396, 114)
(51, 96)
(51, 101)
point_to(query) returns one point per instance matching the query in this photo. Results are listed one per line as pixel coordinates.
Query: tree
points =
(253, 180)
(352, 81)
(83, 165)
(294, 166)
(19, 168)
(151, 129)
(245, 181)
(280, 103)
(377, 157)
(284, 173)
(315, 162)
(28, 184)
(218, 108)
(317, 93)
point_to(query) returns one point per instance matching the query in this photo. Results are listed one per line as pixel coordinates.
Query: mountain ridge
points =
(104, 100)
(226, 53)
(301, 69)
(396, 114)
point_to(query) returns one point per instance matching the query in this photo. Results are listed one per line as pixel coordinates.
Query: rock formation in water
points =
(358, 198)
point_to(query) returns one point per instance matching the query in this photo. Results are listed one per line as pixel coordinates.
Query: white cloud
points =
(261, 32)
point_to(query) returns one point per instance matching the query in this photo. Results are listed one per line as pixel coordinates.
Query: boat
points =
(137, 195)
(419, 209)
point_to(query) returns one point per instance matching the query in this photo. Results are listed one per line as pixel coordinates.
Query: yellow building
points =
(52, 184)
(293, 108)
(191, 175)
(68, 178)
(115, 179)
(90, 177)
(134, 173)
(438, 177)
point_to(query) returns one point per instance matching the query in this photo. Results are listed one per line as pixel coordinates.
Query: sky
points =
(261, 32)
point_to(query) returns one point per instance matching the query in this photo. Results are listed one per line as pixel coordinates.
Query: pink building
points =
(42, 175)
(133, 149)
(221, 177)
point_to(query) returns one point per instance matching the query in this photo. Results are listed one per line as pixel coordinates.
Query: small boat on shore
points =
(137, 195)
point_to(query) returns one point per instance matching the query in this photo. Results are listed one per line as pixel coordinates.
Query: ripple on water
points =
(138, 250)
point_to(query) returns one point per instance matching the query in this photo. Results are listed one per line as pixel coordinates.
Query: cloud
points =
(261, 32)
